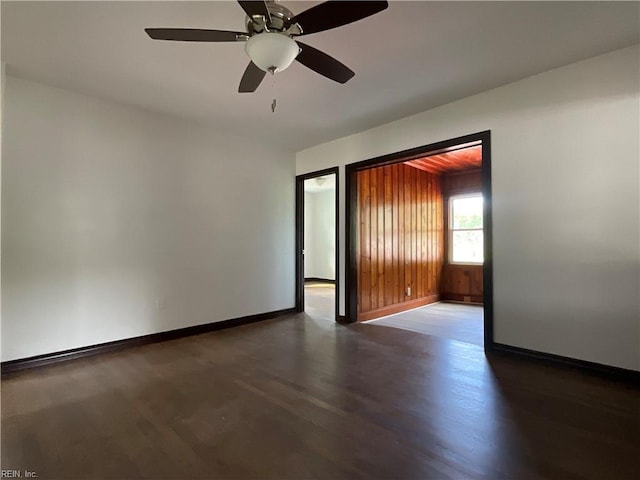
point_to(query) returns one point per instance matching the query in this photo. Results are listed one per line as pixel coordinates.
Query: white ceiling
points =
(411, 57)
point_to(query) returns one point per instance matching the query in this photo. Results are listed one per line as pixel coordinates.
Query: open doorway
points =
(419, 240)
(316, 244)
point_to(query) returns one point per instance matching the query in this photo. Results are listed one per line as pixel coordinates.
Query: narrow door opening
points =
(317, 215)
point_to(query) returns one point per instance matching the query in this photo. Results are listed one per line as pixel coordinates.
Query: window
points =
(465, 229)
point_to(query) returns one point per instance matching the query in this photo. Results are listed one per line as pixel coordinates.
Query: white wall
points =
(117, 222)
(2, 82)
(566, 219)
(320, 235)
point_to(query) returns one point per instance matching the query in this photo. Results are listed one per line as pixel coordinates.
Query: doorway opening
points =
(418, 240)
(317, 244)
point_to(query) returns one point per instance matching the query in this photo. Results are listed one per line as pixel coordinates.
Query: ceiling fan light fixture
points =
(271, 52)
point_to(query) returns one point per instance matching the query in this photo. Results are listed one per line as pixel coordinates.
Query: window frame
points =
(451, 230)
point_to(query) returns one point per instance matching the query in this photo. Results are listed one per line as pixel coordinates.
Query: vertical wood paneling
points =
(364, 213)
(388, 237)
(440, 241)
(394, 228)
(401, 245)
(380, 211)
(398, 238)
(462, 182)
(373, 239)
(408, 279)
(421, 235)
(429, 221)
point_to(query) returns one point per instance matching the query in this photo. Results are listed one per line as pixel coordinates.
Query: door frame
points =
(351, 233)
(300, 179)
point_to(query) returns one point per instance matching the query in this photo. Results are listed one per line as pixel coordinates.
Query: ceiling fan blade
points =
(195, 35)
(323, 64)
(335, 13)
(251, 78)
(256, 8)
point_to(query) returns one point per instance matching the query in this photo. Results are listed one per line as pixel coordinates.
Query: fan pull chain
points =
(273, 86)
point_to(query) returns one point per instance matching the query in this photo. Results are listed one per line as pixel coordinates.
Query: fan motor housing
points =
(279, 17)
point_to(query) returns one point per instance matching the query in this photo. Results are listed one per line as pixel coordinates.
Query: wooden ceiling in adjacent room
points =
(467, 158)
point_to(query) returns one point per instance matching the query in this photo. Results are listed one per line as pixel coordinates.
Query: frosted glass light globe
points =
(271, 52)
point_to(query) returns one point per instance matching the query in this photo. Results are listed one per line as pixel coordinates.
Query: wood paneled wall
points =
(400, 239)
(462, 182)
(460, 282)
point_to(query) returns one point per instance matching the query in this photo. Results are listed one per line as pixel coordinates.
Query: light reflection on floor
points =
(319, 301)
(463, 323)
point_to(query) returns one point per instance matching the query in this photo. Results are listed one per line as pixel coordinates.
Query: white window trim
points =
(451, 230)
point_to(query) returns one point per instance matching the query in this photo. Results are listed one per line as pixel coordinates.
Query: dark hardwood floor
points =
(297, 398)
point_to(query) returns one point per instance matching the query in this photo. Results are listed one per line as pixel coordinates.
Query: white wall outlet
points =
(408, 291)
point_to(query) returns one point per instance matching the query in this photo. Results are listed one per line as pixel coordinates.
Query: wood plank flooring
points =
(298, 397)
(319, 300)
(454, 321)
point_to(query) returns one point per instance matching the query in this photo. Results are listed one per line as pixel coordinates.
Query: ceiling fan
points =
(269, 39)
